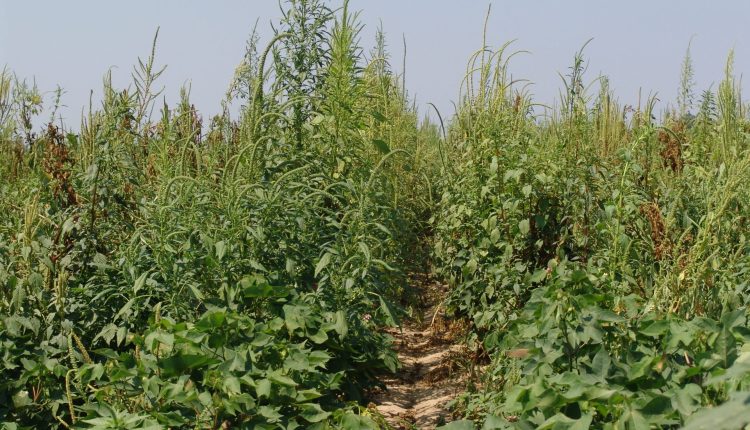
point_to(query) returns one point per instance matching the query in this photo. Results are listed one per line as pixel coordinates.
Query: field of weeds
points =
(583, 266)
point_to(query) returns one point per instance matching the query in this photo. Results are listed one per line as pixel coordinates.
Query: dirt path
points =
(431, 375)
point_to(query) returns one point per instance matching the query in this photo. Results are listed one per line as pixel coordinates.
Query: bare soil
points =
(431, 354)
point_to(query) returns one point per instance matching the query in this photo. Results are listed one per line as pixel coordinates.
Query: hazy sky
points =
(638, 44)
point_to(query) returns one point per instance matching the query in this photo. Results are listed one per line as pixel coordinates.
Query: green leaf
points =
(523, 226)
(319, 337)
(365, 250)
(734, 414)
(379, 116)
(158, 337)
(538, 276)
(657, 406)
(494, 422)
(306, 395)
(740, 368)
(323, 263)
(221, 249)
(340, 325)
(313, 413)
(232, 385)
(494, 236)
(21, 399)
(211, 320)
(280, 379)
(582, 423)
(294, 317)
(655, 328)
(381, 146)
(390, 315)
(605, 315)
(125, 309)
(196, 291)
(458, 425)
(638, 421)
(270, 412)
(641, 368)
(139, 283)
(263, 388)
(601, 363)
(733, 319)
(182, 363)
(679, 333)
(687, 399)
(258, 287)
(493, 165)
(318, 358)
(352, 421)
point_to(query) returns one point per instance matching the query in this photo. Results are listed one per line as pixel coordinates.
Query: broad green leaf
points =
(340, 325)
(641, 368)
(657, 406)
(21, 399)
(318, 358)
(732, 415)
(306, 395)
(523, 226)
(263, 388)
(381, 146)
(494, 422)
(211, 320)
(379, 116)
(221, 249)
(232, 385)
(319, 337)
(125, 309)
(740, 368)
(258, 287)
(458, 425)
(157, 337)
(637, 421)
(294, 317)
(390, 315)
(270, 412)
(494, 236)
(323, 263)
(352, 421)
(582, 423)
(601, 363)
(139, 283)
(280, 379)
(313, 413)
(182, 363)
(538, 276)
(687, 399)
(655, 328)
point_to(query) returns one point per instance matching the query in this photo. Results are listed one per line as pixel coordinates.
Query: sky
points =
(638, 44)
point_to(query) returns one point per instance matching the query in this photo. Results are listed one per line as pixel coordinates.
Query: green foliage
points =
(158, 274)
(599, 259)
(166, 273)
(572, 358)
